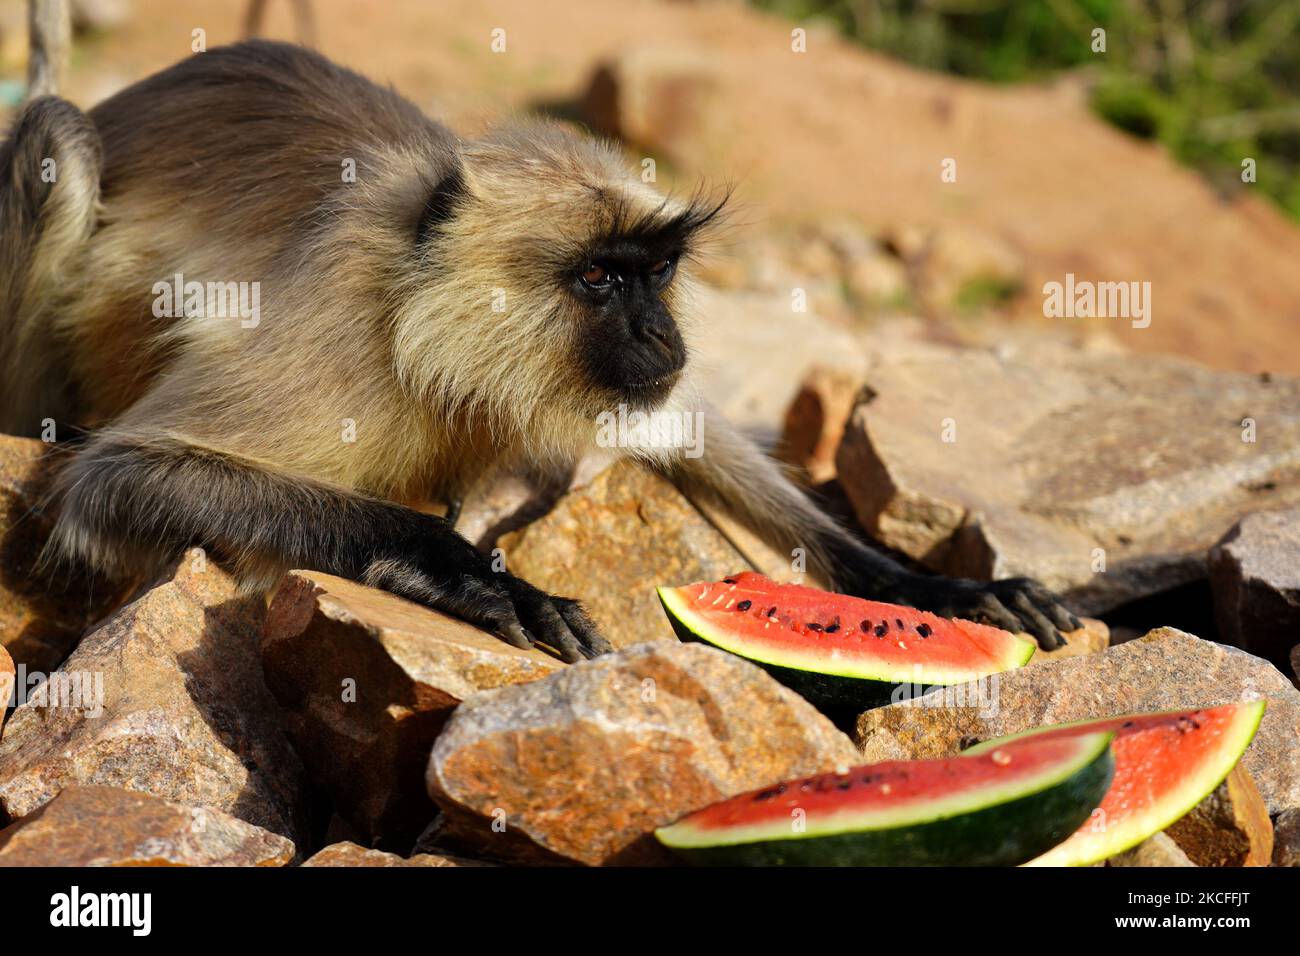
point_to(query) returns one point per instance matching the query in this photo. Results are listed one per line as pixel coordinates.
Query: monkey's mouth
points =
(651, 391)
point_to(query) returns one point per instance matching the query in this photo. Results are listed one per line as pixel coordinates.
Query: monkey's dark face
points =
(630, 345)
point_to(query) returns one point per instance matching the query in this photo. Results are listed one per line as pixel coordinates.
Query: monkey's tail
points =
(49, 34)
(50, 170)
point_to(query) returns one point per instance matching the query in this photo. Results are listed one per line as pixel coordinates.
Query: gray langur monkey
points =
(466, 302)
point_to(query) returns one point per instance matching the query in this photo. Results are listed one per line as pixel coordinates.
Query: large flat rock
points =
(366, 680)
(610, 542)
(1165, 670)
(582, 766)
(109, 826)
(1105, 478)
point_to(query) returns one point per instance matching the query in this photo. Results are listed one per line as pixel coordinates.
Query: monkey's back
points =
(226, 167)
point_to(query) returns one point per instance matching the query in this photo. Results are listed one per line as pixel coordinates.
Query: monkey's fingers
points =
(486, 604)
(516, 635)
(1040, 611)
(546, 623)
(1034, 622)
(1050, 605)
(583, 626)
(987, 609)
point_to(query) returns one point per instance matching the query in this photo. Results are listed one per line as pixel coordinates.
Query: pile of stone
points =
(332, 724)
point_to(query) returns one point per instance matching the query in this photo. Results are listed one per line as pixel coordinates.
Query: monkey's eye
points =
(595, 276)
(662, 270)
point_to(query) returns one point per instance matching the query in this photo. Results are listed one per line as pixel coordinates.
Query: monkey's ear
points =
(441, 204)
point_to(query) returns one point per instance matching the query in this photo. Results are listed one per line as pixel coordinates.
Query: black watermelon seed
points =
(899, 622)
(882, 629)
(771, 612)
(728, 580)
(865, 625)
(923, 629)
(813, 627)
(744, 605)
(768, 794)
(832, 628)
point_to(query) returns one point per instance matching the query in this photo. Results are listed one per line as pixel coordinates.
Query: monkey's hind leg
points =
(139, 498)
(49, 193)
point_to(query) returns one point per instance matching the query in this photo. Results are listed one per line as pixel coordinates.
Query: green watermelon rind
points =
(833, 690)
(1138, 828)
(1007, 832)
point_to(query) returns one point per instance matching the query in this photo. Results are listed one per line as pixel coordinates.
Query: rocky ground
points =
(334, 725)
(338, 725)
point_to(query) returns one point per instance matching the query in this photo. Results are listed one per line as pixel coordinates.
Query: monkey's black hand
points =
(1013, 604)
(441, 569)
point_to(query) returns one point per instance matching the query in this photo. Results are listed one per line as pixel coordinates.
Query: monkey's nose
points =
(658, 331)
(660, 334)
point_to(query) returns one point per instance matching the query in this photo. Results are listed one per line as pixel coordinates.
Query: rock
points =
(1057, 465)
(653, 97)
(1230, 827)
(1157, 850)
(959, 268)
(42, 615)
(351, 855)
(1286, 838)
(611, 542)
(815, 420)
(1255, 572)
(1092, 638)
(1165, 670)
(109, 826)
(165, 697)
(584, 764)
(878, 282)
(756, 347)
(366, 681)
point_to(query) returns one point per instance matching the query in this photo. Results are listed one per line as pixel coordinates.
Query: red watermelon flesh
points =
(1000, 808)
(792, 626)
(1165, 764)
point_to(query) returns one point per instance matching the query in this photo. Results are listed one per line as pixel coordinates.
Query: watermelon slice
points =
(998, 809)
(841, 653)
(1165, 764)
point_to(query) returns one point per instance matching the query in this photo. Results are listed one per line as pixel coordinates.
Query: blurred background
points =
(1122, 164)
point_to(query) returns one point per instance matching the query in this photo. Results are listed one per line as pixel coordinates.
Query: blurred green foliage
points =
(1216, 81)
